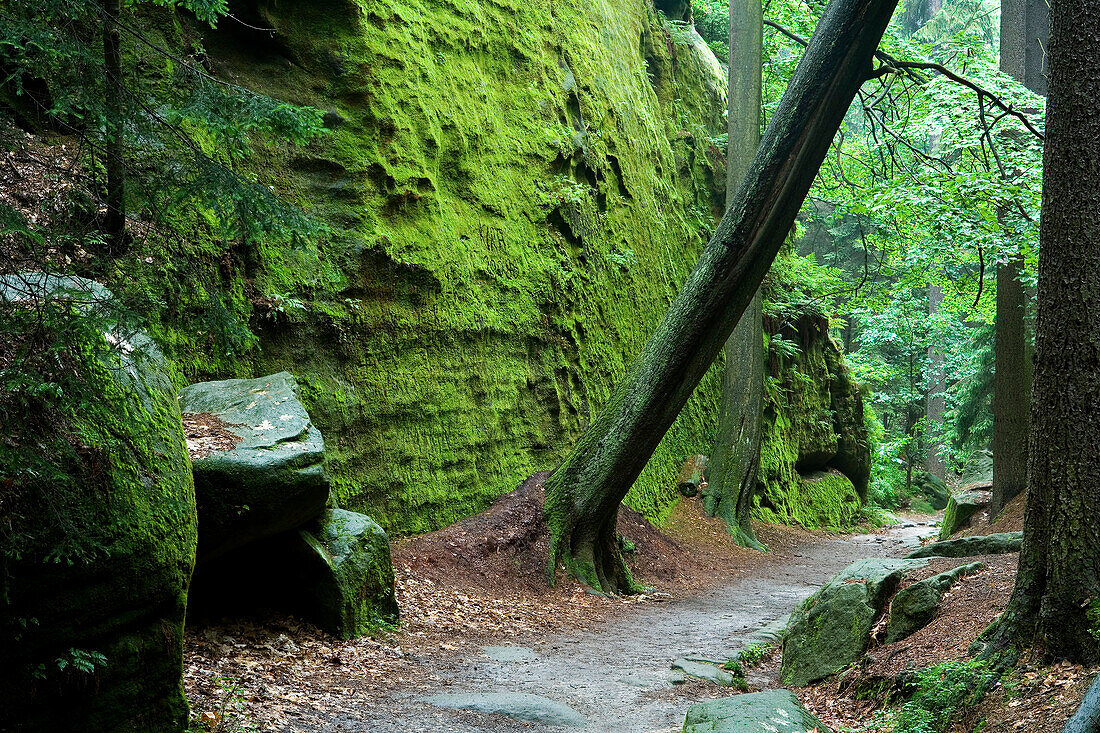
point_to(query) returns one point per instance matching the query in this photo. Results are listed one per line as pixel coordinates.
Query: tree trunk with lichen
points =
(584, 493)
(1056, 600)
(736, 453)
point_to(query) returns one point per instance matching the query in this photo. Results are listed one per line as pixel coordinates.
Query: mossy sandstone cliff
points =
(515, 190)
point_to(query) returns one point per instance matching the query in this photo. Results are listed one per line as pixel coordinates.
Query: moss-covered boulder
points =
(961, 509)
(831, 629)
(99, 532)
(815, 457)
(348, 574)
(771, 710)
(932, 488)
(272, 479)
(1000, 543)
(914, 606)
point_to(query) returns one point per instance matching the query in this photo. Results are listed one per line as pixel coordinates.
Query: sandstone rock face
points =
(273, 479)
(101, 525)
(913, 607)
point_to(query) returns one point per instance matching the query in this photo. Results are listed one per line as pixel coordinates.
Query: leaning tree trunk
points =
(1024, 38)
(737, 450)
(1056, 599)
(583, 494)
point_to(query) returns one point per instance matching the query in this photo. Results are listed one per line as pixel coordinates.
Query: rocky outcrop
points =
(99, 530)
(772, 710)
(914, 606)
(961, 510)
(815, 458)
(831, 629)
(272, 478)
(1000, 543)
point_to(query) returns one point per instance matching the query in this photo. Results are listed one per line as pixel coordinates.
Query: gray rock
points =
(913, 607)
(350, 576)
(831, 629)
(993, 544)
(704, 671)
(273, 479)
(978, 470)
(961, 508)
(517, 654)
(518, 705)
(933, 487)
(772, 710)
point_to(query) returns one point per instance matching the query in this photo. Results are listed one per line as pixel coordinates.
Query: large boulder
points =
(914, 606)
(831, 629)
(1000, 543)
(273, 479)
(336, 572)
(932, 488)
(348, 573)
(961, 510)
(771, 710)
(99, 530)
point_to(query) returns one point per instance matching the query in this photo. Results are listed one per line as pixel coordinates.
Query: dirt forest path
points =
(617, 675)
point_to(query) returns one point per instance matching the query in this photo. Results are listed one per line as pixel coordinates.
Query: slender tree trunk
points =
(737, 451)
(584, 493)
(1024, 36)
(114, 224)
(934, 400)
(1056, 600)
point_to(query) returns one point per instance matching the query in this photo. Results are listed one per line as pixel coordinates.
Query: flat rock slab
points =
(273, 479)
(704, 671)
(518, 705)
(517, 654)
(772, 710)
(993, 544)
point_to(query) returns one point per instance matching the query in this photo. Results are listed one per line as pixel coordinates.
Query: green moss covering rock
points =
(515, 191)
(914, 606)
(961, 508)
(273, 479)
(1000, 543)
(771, 710)
(815, 458)
(350, 578)
(831, 629)
(99, 531)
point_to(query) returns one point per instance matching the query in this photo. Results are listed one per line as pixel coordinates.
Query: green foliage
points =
(940, 692)
(754, 654)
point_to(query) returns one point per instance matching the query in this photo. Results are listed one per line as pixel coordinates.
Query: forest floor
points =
(477, 616)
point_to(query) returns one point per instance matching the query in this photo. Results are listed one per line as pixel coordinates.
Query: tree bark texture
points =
(584, 493)
(737, 451)
(935, 402)
(1025, 26)
(1056, 600)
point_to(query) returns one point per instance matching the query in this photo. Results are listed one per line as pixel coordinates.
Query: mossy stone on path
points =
(771, 710)
(707, 672)
(352, 584)
(100, 525)
(830, 629)
(913, 607)
(521, 706)
(273, 480)
(960, 509)
(1000, 543)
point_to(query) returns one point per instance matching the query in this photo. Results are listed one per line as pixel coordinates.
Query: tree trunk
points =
(1024, 38)
(114, 223)
(1056, 600)
(737, 451)
(583, 494)
(934, 399)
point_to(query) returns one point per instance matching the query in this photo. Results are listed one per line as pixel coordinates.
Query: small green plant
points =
(755, 654)
(83, 661)
(783, 347)
(940, 691)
